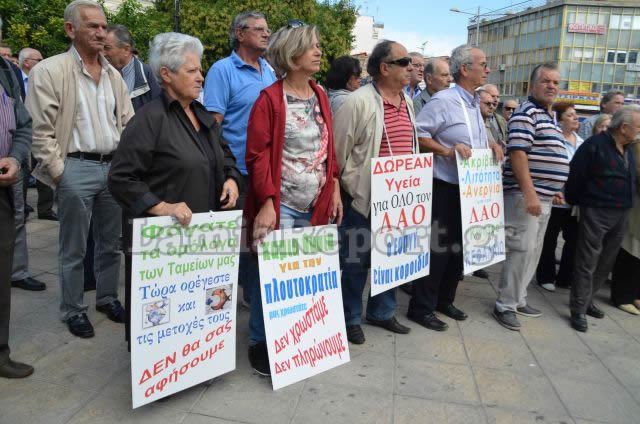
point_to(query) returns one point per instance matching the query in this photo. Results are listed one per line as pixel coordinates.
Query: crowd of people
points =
(119, 139)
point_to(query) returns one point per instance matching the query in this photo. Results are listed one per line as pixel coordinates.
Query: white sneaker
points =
(548, 287)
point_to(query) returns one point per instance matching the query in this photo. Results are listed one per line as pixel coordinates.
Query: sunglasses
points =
(295, 23)
(403, 62)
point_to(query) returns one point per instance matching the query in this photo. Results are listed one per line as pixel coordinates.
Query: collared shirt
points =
(397, 135)
(416, 91)
(535, 132)
(129, 74)
(231, 88)
(7, 122)
(443, 120)
(25, 80)
(601, 176)
(571, 151)
(95, 129)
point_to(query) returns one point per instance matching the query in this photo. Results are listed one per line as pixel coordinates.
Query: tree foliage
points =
(39, 23)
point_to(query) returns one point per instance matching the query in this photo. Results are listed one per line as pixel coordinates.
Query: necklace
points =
(305, 99)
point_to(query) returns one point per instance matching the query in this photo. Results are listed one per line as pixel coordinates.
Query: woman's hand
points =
(230, 194)
(336, 203)
(179, 211)
(265, 221)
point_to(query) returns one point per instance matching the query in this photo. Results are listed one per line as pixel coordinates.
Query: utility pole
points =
(176, 15)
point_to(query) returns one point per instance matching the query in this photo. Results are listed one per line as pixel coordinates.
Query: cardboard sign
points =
(302, 303)
(401, 189)
(482, 210)
(183, 302)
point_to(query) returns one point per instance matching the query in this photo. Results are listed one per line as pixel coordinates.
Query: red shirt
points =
(398, 130)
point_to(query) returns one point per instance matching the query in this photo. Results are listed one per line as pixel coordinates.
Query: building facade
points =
(595, 43)
(366, 34)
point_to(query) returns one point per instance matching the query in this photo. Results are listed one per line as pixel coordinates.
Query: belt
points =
(97, 157)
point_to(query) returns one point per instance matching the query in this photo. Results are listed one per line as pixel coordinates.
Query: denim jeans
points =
(355, 261)
(289, 218)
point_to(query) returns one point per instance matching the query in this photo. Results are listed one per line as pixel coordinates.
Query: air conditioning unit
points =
(502, 67)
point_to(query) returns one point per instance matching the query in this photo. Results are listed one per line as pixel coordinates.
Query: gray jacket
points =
(420, 101)
(21, 143)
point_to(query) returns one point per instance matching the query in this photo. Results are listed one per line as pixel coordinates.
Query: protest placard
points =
(482, 210)
(401, 189)
(302, 303)
(183, 302)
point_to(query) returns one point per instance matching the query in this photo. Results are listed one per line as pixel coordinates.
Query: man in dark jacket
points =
(15, 143)
(119, 50)
(601, 183)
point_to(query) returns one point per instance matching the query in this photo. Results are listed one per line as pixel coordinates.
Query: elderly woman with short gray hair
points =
(172, 160)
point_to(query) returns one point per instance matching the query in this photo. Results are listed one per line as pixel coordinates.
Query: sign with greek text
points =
(302, 303)
(183, 302)
(482, 210)
(401, 189)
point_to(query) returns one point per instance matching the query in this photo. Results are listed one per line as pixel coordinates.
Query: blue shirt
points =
(443, 119)
(416, 91)
(534, 131)
(231, 88)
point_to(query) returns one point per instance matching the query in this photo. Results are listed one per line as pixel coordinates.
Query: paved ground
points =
(477, 372)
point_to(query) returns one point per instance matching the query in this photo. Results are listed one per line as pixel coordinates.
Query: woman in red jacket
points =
(293, 174)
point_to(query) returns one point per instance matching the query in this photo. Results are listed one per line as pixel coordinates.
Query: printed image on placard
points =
(217, 299)
(156, 313)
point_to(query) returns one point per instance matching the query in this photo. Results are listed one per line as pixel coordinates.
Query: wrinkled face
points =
(254, 35)
(614, 104)
(478, 71)
(545, 88)
(495, 94)
(397, 74)
(309, 61)
(186, 82)
(91, 32)
(487, 105)
(441, 78)
(631, 130)
(417, 63)
(5, 52)
(508, 108)
(602, 126)
(569, 121)
(118, 55)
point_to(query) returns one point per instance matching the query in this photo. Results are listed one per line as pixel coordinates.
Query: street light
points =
(477, 17)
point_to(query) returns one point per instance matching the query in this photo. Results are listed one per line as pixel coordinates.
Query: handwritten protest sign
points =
(482, 210)
(401, 188)
(183, 308)
(302, 303)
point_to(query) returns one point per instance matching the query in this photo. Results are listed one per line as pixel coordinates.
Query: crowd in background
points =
(118, 139)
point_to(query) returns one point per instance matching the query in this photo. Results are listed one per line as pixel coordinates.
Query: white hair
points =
(460, 56)
(24, 53)
(624, 115)
(72, 11)
(167, 50)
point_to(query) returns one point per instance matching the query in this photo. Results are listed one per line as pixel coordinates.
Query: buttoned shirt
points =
(416, 91)
(443, 119)
(25, 80)
(231, 88)
(95, 129)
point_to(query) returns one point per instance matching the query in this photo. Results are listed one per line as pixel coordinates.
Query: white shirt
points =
(25, 81)
(95, 130)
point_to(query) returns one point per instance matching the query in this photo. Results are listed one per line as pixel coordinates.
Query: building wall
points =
(596, 44)
(366, 33)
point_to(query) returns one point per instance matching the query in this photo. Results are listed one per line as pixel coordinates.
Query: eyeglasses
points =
(259, 29)
(403, 62)
(295, 23)
(509, 109)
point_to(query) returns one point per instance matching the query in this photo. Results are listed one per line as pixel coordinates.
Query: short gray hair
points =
(72, 11)
(460, 56)
(288, 44)
(22, 55)
(240, 22)
(624, 115)
(535, 74)
(167, 50)
(122, 34)
(610, 95)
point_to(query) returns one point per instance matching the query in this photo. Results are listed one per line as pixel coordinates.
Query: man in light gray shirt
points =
(451, 122)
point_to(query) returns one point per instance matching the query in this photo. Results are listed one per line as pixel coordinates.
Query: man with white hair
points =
(602, 183)
(451, 123)
(74, 138)
(436, 78)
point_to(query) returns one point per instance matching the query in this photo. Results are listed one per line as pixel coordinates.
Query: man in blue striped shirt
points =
(534, 175)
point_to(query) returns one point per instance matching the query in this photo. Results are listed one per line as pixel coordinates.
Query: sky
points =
(412, 22)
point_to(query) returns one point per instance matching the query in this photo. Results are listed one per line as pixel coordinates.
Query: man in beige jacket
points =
(79, 105)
